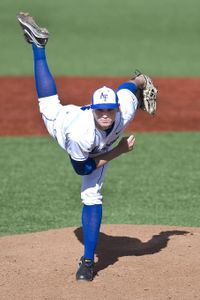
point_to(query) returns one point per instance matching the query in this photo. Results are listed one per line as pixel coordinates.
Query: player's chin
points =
(105, 125)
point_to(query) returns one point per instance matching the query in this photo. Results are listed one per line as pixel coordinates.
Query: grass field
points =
(106, 37)
(158, 183)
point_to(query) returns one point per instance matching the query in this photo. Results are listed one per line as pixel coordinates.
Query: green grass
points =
(157, 183)
(106, 37)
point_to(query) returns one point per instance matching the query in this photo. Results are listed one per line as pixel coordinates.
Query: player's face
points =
(104, 118)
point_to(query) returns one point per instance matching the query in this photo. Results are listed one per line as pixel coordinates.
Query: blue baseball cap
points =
(104, 98)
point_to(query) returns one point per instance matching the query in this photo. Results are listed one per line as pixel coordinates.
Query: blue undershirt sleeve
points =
(128, 86)
(84, 167)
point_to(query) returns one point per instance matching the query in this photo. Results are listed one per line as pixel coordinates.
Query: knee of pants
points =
(91, 197)
(92, 185)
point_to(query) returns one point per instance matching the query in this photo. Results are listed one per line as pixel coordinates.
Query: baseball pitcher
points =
(87, 133)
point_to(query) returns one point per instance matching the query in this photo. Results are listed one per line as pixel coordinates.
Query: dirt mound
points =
(132, 262)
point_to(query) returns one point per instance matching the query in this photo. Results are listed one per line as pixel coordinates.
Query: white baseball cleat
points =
(32, 32)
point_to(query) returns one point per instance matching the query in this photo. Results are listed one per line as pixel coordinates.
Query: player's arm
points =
(133, 84)
(127, 93)
(139, 81)
(125, 145)
(86, 167)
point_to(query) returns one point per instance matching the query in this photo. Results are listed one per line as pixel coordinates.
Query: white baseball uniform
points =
(75, 131)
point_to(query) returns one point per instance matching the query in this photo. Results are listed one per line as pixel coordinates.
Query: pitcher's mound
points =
(132, 262)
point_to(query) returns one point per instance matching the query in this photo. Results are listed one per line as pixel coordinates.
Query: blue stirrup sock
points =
(91, 221)
(45, 83)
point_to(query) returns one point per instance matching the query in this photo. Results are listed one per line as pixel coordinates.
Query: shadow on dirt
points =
(110, 248)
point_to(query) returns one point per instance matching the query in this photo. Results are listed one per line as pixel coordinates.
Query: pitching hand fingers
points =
(131, 141)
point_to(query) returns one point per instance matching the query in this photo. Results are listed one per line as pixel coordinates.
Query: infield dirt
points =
(132, 262)
(135, 262)
(178, 103)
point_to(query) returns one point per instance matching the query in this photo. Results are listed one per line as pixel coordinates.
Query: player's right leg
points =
(45, 83)
(38, 37)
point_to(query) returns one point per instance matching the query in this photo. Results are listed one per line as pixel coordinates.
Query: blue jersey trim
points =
(128, 86)
(84, 167)
(105, 106)
(86, 107)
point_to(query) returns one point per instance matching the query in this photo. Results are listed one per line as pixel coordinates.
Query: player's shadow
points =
(110, 248)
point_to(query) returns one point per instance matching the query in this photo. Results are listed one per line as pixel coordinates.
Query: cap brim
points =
(105, 106)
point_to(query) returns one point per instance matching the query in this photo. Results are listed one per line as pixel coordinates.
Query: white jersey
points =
(75, 130)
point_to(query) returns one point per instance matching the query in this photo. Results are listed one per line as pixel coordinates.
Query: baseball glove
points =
(147, 96)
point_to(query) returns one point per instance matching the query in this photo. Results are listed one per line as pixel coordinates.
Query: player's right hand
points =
(126, 144)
